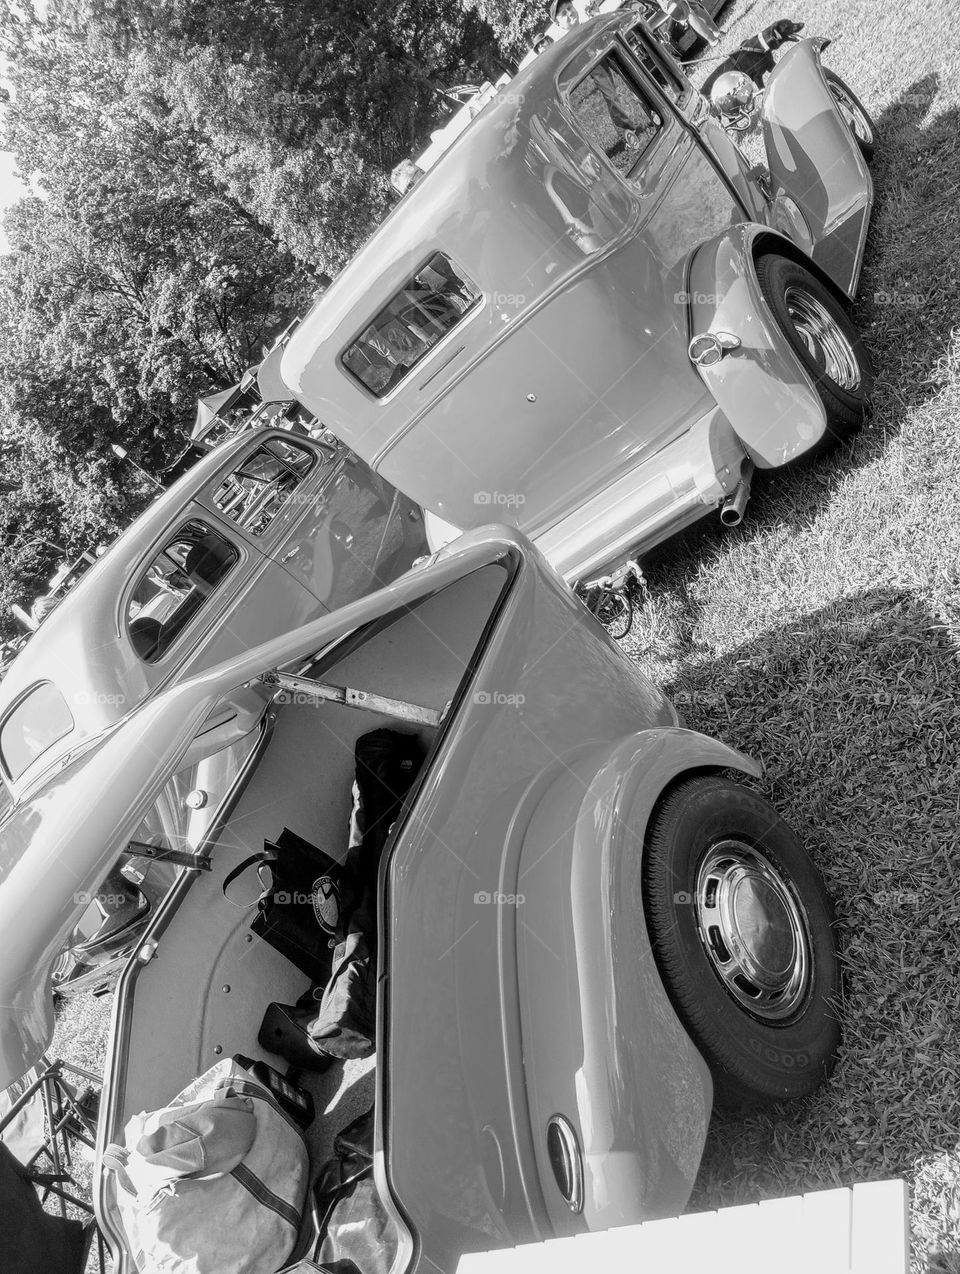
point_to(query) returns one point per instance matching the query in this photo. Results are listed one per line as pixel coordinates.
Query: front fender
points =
(601, 1042)
(814, 161)
(762, 387)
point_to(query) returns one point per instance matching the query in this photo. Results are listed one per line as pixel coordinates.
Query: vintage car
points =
(262, 535)
(592, 317)
(587, 930)
(258, 537)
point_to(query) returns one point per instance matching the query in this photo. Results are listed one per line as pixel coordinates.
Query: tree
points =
(134, 283)
(195, 167)
(301, 110)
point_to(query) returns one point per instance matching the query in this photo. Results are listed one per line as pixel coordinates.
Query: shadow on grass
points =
(854, 712)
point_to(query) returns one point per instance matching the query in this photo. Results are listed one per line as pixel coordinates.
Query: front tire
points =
(855, 114)
(825, 340)
(743, 935)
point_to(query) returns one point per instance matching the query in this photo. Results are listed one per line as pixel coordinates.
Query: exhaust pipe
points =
(731, 510)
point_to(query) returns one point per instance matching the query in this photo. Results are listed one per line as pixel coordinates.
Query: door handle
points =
(292, 553)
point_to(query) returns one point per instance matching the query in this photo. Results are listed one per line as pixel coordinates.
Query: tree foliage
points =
(194, 166)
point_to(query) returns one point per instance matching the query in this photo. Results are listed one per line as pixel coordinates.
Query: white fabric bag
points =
(215, 1182)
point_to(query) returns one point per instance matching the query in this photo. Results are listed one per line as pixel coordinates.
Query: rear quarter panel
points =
(460, 1154)
(601, 1042)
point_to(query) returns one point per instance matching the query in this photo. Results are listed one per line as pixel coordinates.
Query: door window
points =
(614, 114)
(257, 490)
(38, 721)
(176, 586)
(426, 308)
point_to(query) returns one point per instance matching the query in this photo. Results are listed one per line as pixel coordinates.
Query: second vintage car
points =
(593, 317)
(588, 930)
(258, 537)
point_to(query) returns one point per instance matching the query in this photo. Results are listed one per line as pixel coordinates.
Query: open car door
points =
(816, 164)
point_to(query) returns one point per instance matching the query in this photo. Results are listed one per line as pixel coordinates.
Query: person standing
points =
(692, 14)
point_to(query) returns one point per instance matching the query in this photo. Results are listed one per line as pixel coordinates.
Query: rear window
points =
(176, 586)
(614, 114)
(426, 308)
(255, 492)
(38, 721)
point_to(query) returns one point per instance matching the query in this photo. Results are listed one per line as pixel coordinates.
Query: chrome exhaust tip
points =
(732, 508)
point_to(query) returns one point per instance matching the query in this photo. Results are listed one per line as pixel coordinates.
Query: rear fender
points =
(814, 161)
(602, 1044)
(761, 386)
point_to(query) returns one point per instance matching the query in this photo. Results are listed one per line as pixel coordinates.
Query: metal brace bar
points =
(180, 857)
(351, 698)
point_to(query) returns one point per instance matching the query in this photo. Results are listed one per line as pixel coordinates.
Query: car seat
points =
(145, 637)
(209, 560)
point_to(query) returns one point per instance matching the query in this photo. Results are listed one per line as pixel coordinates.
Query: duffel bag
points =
(215, 1182)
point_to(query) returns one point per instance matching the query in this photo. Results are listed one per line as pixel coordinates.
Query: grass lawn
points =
(822, 637)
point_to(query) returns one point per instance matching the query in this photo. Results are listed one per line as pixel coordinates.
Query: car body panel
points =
(570, 375)
(649, 503)
(589, 1054)
(445, 949)
(813, 157)
(762, 386)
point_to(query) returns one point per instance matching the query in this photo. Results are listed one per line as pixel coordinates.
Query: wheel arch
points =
(598, 1028)
(771, 241)
(762, 387)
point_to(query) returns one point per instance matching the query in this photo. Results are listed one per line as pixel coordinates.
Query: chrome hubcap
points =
(854, 117)
(823, 338)
(753, 930)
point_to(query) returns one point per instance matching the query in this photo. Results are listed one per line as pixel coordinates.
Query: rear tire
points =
(742, 933)
(825, 340)
(855, 114)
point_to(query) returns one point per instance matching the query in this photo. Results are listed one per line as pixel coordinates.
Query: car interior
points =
(203, 995)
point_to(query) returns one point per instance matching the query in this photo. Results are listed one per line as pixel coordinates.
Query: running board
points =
(299, 689)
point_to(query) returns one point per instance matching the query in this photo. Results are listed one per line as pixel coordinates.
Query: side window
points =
(38, 721)
(614, 114)
(670, 84)
(175, 586)
(256, 491)
(428, 306)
